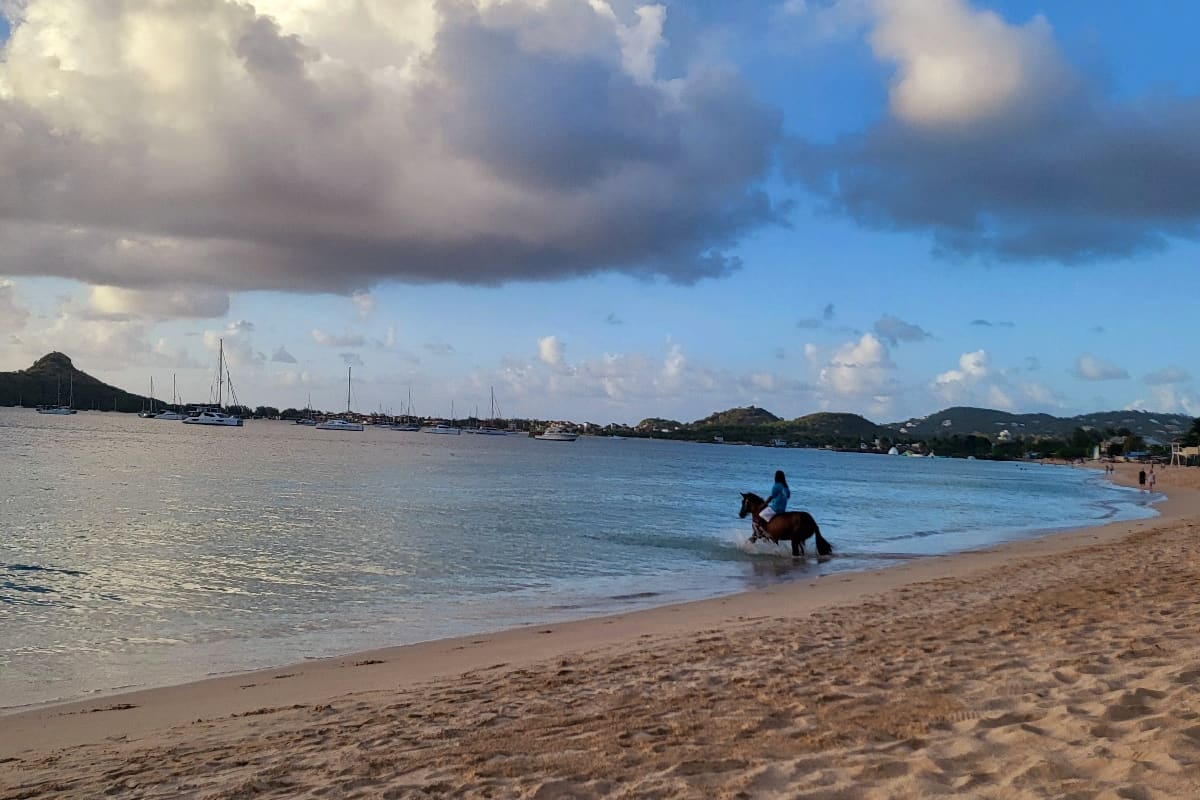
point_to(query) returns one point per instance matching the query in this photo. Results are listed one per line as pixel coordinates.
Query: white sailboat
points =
(149, 413)
(214, 416)
(489, 430)
(307, 419)
(59, 408)
(170, 413)
(342, 424)
(443, 428)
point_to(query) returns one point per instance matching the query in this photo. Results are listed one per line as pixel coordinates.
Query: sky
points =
(606, 210)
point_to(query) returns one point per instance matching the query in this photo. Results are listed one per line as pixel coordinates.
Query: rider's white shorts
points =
(767, 513)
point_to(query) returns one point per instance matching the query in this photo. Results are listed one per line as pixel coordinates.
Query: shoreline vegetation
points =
(957, 432)
(1060, 666)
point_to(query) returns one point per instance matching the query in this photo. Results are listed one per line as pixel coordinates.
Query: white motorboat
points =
(557, 433)
(339, 425)
(342, 424)
(212, 416)
(442, 428)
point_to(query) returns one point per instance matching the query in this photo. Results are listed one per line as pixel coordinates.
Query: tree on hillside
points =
(1192, 437)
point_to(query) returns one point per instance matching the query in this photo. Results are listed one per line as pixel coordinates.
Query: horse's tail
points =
(824, 548)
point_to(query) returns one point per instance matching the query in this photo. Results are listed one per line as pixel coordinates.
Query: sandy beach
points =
(1066, 666)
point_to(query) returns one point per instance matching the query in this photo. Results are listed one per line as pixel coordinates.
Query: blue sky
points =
(609, 212)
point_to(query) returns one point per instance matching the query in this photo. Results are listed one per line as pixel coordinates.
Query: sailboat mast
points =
(349, 371)
(151, 394)
(220, 369)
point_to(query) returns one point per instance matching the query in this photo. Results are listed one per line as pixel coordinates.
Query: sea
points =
(139, 552)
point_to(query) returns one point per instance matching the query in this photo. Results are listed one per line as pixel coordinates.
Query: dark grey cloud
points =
(613, 319)
(987, 323)
(1098, 329)
(282, 356)
(896, 330)
(527, 143)
(1032, 363)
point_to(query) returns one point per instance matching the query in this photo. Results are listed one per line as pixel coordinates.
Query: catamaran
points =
(212, 415)
(342, 424)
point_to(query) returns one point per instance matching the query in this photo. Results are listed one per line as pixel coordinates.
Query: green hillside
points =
(750, 415)
(53, 378)
(965, 420)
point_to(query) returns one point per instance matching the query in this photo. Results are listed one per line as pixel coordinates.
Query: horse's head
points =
(751, 503)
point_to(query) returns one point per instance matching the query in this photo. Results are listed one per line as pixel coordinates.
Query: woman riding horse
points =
(790, 525)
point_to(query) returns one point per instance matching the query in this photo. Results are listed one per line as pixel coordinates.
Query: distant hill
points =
(749, 415)
(989, 422)
(49, 381)
(658, 424)
(836, 425)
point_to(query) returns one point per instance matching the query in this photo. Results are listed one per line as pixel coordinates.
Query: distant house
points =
(1004, 436)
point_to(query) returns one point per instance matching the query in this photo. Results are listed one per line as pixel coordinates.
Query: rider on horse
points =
(776, 502)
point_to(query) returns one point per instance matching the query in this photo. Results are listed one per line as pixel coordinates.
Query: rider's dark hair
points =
(779, 478)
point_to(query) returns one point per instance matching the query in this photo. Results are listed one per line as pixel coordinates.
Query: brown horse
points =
(794, 525)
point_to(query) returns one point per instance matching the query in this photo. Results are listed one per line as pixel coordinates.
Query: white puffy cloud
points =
(364, 302)
(857, 369)
(1091, 368)
(957, 65)
(550, 351)
(327, 145)
(351, 359)
(193, 303)
(1169, 398)
(975, 381)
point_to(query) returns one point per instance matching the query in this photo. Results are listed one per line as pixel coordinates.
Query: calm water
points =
(140, 552)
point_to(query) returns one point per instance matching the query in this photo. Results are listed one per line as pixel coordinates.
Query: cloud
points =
(550, 351)
(613, 319)
(1032, 363)
(239, 351)
(439, 348)
(895, 330)
(827, 315)
(857, 369)
(326, 339)
(1169, 399)
(1167, 375)
(1098, 329)
(997, 147)
(115, 302)
(985, 323)
(352, 359)
(1090, 368)
(976, 382)
(471, 142)
(364, 302)
(282, 356)
(240, 326)
(12, 314)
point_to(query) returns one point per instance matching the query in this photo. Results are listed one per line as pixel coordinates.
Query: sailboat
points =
(488, 430)
(169, 413)
(59, 408)
(307, 419)
(211, 415)
(342, 424)
(149, 413)
(407, 424)
(442, 427)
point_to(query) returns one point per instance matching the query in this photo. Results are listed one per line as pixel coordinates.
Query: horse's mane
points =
(753, 496)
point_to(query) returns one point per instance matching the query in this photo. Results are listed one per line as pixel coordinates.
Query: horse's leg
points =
(797, 546)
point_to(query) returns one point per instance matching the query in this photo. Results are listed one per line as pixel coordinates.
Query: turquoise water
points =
(143, 552)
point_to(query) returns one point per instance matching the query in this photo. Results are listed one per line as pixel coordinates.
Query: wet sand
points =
(1067, 666)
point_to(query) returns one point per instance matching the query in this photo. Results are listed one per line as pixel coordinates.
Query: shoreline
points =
(106, 697)
(587, 661)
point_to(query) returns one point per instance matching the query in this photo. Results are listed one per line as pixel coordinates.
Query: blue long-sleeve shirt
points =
(779, 498)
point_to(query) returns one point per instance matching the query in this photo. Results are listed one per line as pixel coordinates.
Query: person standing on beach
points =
(1142, 479)
(1151, 480)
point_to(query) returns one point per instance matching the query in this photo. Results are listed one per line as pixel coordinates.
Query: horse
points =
(794, 525)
